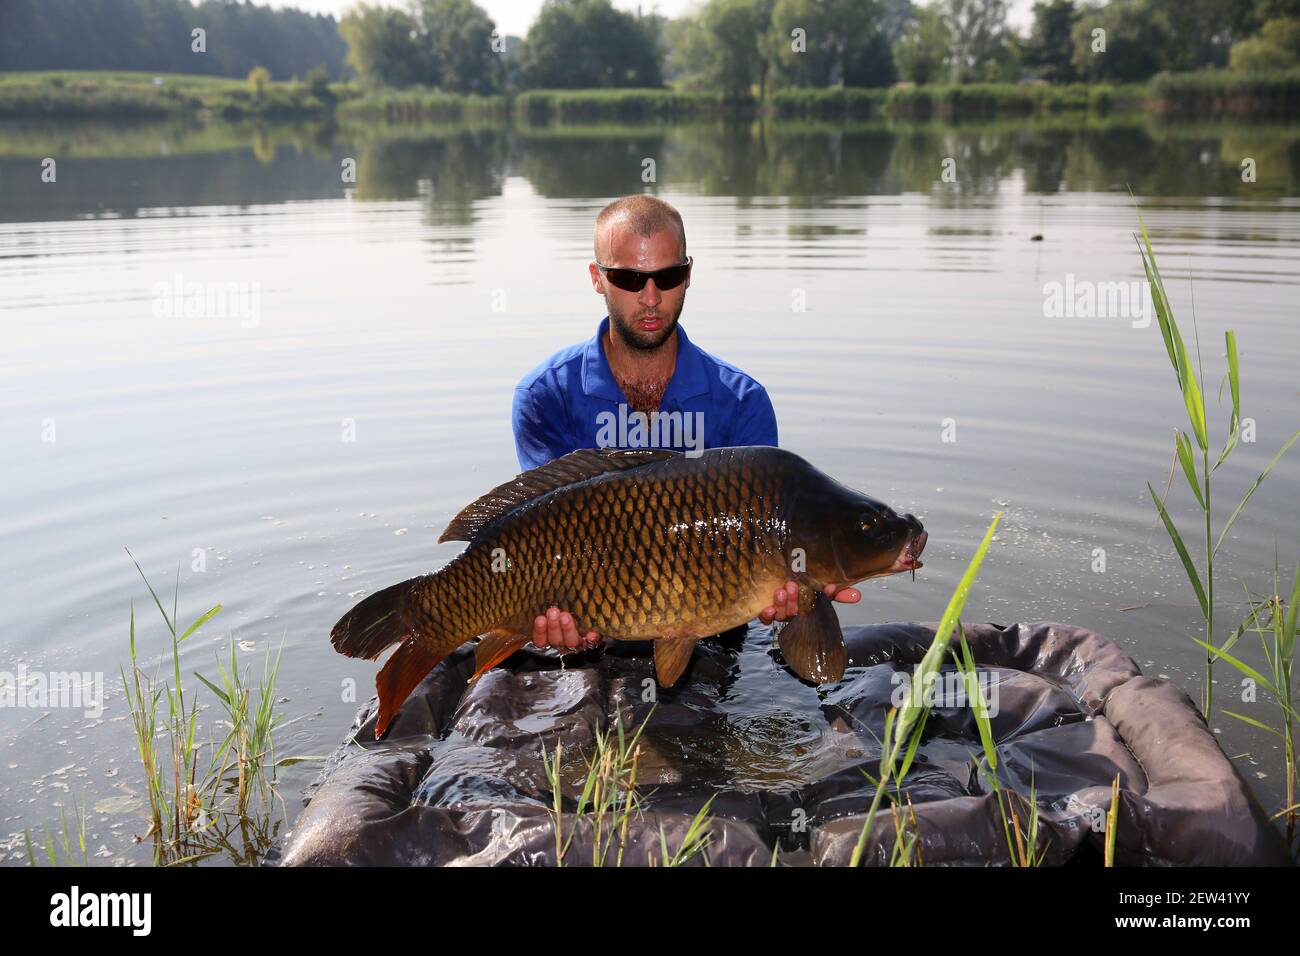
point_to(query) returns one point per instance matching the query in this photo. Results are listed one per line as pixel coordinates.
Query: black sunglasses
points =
(629, 280)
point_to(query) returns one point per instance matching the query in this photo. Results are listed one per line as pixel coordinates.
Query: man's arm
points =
(755, 422)
(538, 428)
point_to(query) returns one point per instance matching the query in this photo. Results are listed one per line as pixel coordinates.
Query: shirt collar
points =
(689, 376)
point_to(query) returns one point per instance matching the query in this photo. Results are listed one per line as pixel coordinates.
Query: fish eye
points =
(869, 521)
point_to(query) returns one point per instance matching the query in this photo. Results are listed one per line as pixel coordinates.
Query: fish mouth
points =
(909, 557)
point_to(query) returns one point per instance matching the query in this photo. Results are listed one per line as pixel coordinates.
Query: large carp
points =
(638, 544)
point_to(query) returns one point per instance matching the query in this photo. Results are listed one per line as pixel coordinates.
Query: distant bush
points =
(58, 99)
(622, 104)
(135, 95)
(982, 100)
(1275, 47)
(834, 103)
(1227, 93)
(417, 103)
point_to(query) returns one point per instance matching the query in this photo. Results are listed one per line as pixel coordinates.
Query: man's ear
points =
(597, 282)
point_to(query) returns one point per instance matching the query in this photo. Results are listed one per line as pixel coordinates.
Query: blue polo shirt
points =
(573, 401)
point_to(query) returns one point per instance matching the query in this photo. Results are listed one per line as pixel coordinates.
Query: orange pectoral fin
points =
(494, 648)
(813, 644)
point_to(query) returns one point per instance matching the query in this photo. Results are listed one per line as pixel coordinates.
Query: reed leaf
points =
(1174, 341)
(1186, 558)
(1189, 467)
(1253, 723)
(200, 621)
(1254, 486)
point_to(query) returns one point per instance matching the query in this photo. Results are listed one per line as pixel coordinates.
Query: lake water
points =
(306, 444)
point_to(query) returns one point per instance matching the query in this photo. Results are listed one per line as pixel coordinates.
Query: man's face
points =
(643, 320)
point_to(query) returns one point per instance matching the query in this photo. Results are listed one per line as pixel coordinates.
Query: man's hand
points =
(556, 629)
(785, 603)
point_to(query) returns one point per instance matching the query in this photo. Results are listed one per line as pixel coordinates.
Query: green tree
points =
(1275, 47)
(1134, 37)
(977, 32)
(725, 44)
(318, 83)
(459, 36)
(820, 43)
(922, 51)
(1049, 50)
(154, 35)
(893, 17)
(384, 49)
(1201, 32)
(258, 78)
(579, 44)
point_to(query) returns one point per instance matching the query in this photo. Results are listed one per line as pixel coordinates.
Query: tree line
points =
(747, 47)
(736, 47)
(157, 36)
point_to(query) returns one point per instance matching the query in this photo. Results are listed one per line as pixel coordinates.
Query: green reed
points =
(1197, 469)
(609, 800)
(1112, 824)
(200, 791)
(1227, 92)
(1273, 620)
(904, 726)
(62, 847)
(1021, 838)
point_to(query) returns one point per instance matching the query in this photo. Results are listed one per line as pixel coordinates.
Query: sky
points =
(515, 16)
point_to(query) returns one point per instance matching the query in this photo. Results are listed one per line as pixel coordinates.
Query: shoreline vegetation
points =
(91, 94)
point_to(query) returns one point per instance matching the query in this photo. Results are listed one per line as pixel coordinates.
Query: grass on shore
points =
(213, 797)
(419, 105)
(609, 800)
(73, 93)
(68, 93)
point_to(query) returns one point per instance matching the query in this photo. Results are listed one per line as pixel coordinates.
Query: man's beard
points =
(642, 341)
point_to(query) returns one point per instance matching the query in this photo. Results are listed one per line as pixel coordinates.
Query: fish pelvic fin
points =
(813, 644)
(672, 654)
(409, 665)
(494, 648)
(375, 623)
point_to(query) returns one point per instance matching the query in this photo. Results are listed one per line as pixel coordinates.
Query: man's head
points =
(646, 234)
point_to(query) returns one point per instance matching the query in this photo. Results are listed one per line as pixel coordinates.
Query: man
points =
(640, 381)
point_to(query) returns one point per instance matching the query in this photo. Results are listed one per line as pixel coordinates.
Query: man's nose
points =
(650, 295)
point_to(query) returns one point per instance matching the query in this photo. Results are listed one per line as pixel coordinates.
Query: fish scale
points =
(636, 545)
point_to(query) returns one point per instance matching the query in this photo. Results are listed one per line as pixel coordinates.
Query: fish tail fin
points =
(408, 666)
(376, 623)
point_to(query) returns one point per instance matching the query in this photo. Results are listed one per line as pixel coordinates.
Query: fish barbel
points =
(638, 544)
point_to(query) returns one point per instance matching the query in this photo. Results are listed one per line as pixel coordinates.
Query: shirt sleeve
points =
(756, 420)
(539, 434)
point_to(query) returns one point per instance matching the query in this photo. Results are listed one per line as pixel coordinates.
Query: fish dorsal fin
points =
(574, 467)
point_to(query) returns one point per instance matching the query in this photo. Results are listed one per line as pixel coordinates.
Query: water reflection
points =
(129, 170)
(379, 306)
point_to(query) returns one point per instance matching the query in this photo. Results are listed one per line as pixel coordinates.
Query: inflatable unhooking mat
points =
(459, 779)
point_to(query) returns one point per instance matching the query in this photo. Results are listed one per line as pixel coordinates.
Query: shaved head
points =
(641, 215)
